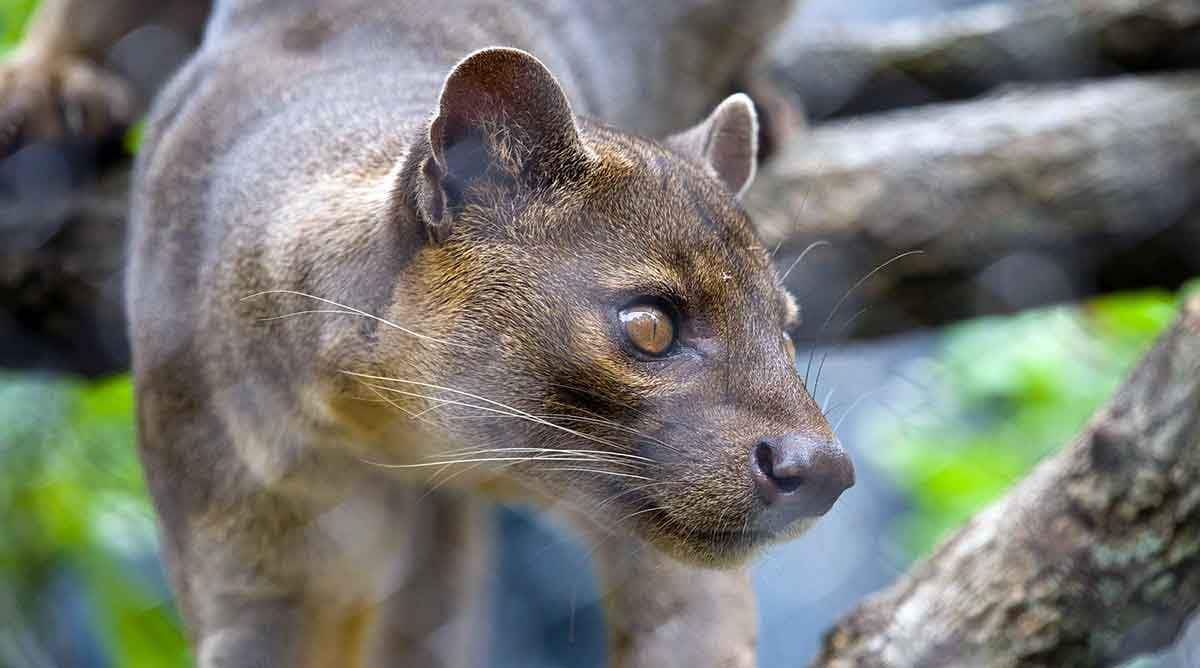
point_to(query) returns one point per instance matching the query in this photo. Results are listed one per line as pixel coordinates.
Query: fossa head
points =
(610, 331)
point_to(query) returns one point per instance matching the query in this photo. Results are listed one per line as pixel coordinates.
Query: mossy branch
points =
(1092, 559)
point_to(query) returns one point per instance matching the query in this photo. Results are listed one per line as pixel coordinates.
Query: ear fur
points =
(726, 142)
(502, 117)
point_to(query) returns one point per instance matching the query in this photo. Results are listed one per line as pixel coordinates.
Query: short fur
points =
(352, 256)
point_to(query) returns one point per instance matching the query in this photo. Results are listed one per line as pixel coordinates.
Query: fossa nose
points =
(799, 476)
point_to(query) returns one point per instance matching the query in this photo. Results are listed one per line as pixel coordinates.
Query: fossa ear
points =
(726, 142)
(503, 121)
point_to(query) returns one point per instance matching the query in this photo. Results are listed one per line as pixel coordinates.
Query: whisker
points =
(855, 403)
(620, 427)
(393, 404)
(837, 306)
(828, 397)
(795, 213)
(590, 455)
(644, 510)
(434, 486)
(864, 279)
(576, 418)
(476, 451)
(510, 410)
(825, 355)
(362, 313)
(308, 312)
(425, 411)
(795, 263)
(623, 475)
(632, 490)
(474, 460)
(344, 309)
(634, 409)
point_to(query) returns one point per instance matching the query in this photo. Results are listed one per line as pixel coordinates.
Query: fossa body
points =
(391, 260)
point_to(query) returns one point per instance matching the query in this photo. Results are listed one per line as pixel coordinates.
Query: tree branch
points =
(1037, 196)
(1095, 557)
(853, 69)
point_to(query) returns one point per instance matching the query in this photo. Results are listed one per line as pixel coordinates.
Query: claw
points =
(51, 99)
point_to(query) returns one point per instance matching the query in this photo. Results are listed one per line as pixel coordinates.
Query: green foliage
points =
(133, 138)
(74, 502)
(13, 14)
(1000, 395)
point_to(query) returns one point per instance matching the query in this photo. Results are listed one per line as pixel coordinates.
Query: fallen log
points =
(1091, 560)
(846, 69)
(62, 252)
(1036, 196)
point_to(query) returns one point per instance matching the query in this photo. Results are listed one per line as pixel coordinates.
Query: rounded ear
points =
(503, 119)
(502, 89)
(726, 142)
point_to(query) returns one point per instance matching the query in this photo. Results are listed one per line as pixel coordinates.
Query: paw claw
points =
(44, 99)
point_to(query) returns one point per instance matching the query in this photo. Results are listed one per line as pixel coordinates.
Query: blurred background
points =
(1046, 271)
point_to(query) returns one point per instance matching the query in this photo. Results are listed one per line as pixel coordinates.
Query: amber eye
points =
(649, 329)
(789, 347)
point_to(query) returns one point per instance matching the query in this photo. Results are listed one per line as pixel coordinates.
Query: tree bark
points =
(1036, 196)
(1092, 559)
(854, 69)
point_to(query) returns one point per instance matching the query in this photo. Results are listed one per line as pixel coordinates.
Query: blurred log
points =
(1033, 197)
(1092, 559)
(62, 243)
(849, 70)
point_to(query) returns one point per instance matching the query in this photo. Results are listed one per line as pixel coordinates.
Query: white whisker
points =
(853, 405)
(575, 418)
(800, 258)
(393, 404)
(362, 313)
(623, 475)
(474, 460)
(509, 410)
(635, 514)
(828, 398)
(308, 312)
(633, 490)
(477, 451)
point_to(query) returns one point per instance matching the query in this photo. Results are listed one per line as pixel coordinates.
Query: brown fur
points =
(466, 247)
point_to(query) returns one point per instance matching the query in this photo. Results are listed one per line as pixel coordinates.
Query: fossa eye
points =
(648, 328)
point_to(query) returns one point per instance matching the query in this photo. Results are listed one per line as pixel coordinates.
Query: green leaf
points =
(13, 16)
(1002, 393)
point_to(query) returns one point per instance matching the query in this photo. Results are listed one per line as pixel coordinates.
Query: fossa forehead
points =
(704, 276)
(670, 198)
(669, 222)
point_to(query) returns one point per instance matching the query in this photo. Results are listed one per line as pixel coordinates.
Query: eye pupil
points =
(648, 328)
